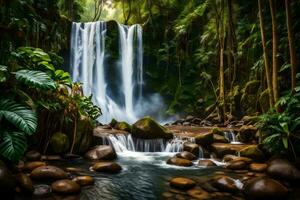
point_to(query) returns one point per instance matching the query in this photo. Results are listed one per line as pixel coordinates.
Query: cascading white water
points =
(125, 143)
(88, 67)
(230, 136)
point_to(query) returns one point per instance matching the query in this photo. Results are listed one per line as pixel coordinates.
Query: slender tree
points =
(274, 50)
(265, 53)
(291, 38)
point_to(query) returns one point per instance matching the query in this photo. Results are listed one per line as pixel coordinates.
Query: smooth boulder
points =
(204, 139)
(48, 172)
(252, 152)
(191, 147)
(280, 168)
(25, 183)
(84, 180)
(258, 167)
(264, 188)
(101, 152)
(29, 166)
(182, 183)
(108, 167)
(225, 183)
(123, 126)
(179, 162)
(65, 187)
(186, 155)
(147, 128)
(33, 156)
(237, 165)
(206, 163)
(59, 142)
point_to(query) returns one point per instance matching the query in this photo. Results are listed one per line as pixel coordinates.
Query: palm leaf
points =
(13, 145)
(21, 117)
(37, 79)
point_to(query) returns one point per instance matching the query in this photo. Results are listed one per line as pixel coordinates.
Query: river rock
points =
(33, 156)
(258, 167)
(59, 142)
(147, 128)
(73, 169)
(123, 126)
(65, 187)
(220, 139)
(25, 183)
(48, 172)
(182, 183)
(204, 139)
(179, 162)
(29, 166)
(84, 180)
(42, 190)
(224, 183)
(191, 147)
(252, 151)
(186, 155)
(237, 165)
(280, 168)
(247, 133)
(206, 163)
(221, 149)
(228, 158)
(109, 167)
(7, 181)
(199, 193)
(101, 152)
(264, 188)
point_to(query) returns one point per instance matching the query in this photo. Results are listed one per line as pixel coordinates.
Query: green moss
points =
(123, 126)
(147, 128)
(59, 142)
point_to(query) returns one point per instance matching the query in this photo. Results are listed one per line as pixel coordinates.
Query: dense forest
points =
(226, 73)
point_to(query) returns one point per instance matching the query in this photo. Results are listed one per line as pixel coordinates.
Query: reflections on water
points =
(144, 176)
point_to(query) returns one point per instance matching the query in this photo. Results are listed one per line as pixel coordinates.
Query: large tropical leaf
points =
(37, 79)
(20, 116)
(13, 145)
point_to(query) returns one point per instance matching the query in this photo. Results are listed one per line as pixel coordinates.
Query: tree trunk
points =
(291, 38)
(265, 53)
(275, 50)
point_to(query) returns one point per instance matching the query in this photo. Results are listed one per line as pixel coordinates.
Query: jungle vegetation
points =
(216, 59)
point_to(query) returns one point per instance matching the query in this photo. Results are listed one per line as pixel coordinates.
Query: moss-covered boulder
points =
(147, 128)
(247, 133)
(252, 151)
(123, 126)
(113, 122)
(59, 143)
(84, 136)
(217, 131)
(205, 139)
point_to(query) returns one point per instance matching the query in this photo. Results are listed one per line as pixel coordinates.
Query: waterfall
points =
(88, 66)
(123, 143)
(230, 136)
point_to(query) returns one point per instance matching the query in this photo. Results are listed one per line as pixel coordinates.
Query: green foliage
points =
(13, 145)
(18, 115)
(87, 107)
(35, 79)
(280, 130)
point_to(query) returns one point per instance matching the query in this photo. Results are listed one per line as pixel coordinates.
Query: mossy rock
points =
(205, 139)
(84, 136)
(253, 152)
(147, 128)
(113, 122)
(123, 126)
(217, 131)
(59, 142)
(247, 133)
(264, 101)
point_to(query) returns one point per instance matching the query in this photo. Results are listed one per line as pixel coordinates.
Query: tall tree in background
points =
(220, 21)
(265, 53)
(99, 4)
(274, 50)
(291, 39)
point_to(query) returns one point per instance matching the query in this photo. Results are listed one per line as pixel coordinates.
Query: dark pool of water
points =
(144, 176)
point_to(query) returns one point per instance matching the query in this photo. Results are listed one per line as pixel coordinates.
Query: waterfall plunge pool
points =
(145, 175)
